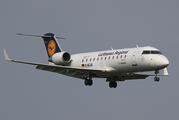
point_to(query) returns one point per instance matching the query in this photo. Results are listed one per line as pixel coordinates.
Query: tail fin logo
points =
(51, 47)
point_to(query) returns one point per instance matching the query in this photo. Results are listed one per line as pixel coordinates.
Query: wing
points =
(134, 76)
(74, 71)
(65, 70)
(126, 76)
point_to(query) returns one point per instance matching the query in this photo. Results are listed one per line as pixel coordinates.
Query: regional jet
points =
(113, 65)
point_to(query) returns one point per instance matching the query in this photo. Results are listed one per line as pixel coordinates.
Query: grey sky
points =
(88, 25)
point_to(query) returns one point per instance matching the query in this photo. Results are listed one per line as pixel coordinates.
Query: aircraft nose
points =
(164, 62)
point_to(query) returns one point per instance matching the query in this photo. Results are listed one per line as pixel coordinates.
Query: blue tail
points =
(51, 44)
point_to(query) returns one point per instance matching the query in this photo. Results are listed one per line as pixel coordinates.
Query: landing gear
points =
(156, 79)
(112, 84)
(156, 72)
(88, 82)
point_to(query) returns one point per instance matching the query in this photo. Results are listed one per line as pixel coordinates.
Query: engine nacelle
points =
(61, 58)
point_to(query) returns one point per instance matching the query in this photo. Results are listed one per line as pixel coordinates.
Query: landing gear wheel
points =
(88, 82)
(156, 79)
(113, 84)
(110, 84)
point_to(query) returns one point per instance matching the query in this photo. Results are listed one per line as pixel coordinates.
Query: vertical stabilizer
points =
(51, 44)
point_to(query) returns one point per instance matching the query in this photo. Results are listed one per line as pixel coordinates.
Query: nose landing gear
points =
(156, 78)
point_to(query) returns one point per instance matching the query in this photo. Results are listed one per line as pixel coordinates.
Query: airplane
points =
(114, 65)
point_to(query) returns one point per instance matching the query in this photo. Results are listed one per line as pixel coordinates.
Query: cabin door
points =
(134, 62)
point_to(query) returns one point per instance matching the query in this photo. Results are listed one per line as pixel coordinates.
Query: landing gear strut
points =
(112, 84)
(156, 78)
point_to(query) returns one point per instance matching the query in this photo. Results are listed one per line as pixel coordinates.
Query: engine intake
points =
(60, 58)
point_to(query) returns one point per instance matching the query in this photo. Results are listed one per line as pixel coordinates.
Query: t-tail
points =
(51, 44)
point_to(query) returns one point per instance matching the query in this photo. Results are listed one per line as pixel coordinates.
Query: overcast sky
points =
(87, 25)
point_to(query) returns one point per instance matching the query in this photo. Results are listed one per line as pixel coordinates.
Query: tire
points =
(90, 82)
(113, 84)
(110, 84)
(86, 82)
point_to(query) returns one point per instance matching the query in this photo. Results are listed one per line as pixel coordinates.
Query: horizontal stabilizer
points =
(39, 36)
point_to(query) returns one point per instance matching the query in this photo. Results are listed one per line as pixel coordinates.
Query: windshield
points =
(151, 52)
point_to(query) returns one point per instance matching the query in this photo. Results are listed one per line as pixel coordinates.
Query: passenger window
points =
(113, 57)
(121, 56)
(93, 59)
(105, 58)
(109, 58)
(125, 56)
(86, 60)
(90, 59)
(97, 59)
(117, 57)
(82, 60)
(101, 58)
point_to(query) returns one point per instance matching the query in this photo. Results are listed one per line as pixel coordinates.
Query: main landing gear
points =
(112, 84)
(156, 78)
(88, 82)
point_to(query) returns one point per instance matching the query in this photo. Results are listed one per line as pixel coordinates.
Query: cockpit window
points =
(151, 52)
(146, 52)
(156, 52)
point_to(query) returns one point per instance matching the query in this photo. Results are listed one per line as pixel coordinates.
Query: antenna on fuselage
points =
(137, 46)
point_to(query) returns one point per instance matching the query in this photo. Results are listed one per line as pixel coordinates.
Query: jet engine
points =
(60, 58)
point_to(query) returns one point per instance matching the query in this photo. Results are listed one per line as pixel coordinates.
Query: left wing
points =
(73, 71)
(65, 70)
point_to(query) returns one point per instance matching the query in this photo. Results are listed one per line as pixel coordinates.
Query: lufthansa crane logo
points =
(51, 47)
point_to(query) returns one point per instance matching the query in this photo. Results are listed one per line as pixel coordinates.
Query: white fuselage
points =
(122, 60)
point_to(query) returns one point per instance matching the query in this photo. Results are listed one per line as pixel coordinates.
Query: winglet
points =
(6, 56)
(166, 72)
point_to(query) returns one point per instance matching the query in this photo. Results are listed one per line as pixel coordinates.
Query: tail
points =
(51, 44)
(50, 41)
